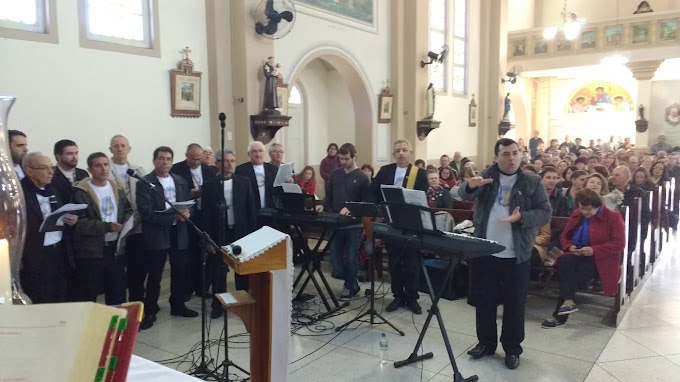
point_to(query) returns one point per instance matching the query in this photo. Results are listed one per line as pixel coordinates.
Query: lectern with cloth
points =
(266, 255)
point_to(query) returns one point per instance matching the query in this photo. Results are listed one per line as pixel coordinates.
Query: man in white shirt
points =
(511, 205)
(99, 265)
(66, 172)
(261, 175)
(18, 146)
(45, 264)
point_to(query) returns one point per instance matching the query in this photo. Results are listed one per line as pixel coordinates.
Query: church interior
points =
(449, 76)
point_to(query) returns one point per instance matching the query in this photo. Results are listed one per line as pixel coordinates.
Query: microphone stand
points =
(222, 229)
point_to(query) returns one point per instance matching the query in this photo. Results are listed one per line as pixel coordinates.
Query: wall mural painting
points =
(600, 96)
(357, 10)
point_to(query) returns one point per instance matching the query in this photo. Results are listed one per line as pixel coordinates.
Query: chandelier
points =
(570, 27)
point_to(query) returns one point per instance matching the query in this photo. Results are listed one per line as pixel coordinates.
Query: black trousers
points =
(45, 280)
(404, 271)
(180, 261)
(573, 270)
(106, 273)
(146, 266)
(500, 281)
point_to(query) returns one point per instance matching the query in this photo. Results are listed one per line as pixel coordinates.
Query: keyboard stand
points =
(311, 264)
(434, 310)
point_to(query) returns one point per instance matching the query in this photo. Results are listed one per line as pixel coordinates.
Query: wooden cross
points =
(185, 52)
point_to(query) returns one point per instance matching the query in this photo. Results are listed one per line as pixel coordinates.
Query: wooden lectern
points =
(265, 257)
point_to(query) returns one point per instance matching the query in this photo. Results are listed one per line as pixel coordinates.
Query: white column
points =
(643, 72)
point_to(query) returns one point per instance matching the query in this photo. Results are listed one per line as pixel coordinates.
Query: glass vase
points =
(12, 217)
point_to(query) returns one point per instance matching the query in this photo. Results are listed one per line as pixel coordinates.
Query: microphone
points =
(234, 249)
(131, 173)
(222, 117)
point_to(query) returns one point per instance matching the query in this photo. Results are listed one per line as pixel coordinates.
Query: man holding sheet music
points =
(164, 232)
(347, 184)
(45, 263)
(225, 225)
(404, 266)
(98, 263)
(511, 205)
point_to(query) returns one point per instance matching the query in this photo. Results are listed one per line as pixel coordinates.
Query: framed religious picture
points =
(185, 89)
(613, 35)
(282, 98)
(589, 39)
(472, 112)
(641, 33)
(385, 103)
(668, 30)
(519, 47)
(562, 45)
(540, 45)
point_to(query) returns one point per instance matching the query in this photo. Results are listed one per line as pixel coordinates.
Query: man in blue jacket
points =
(511, 206)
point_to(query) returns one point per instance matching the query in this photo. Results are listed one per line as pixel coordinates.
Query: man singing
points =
(260, 174)
(230, 215)
(66, 172)
(45, 263)
(164, 232)
(18, 146)
(98, 265)
(404, 266)
(511, 206)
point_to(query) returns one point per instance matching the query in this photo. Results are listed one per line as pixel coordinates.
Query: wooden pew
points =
(635, 253)
(655, 226)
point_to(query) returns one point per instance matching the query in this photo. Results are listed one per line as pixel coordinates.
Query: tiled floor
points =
(645, 346)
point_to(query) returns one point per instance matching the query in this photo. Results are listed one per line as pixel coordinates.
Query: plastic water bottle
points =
(384, 347)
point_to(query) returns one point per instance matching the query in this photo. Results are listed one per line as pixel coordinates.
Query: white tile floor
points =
(645, 346)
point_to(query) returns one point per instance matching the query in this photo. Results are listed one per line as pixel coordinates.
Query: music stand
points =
(411, 220)
(368, 210)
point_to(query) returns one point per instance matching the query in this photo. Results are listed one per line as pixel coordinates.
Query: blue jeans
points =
(346, 241)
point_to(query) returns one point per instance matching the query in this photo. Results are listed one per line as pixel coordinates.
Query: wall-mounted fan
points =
(512, 75)
(274, 18)
(436, 57)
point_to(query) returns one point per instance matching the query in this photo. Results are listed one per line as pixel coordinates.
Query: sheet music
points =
(127, 227)
(284, 175)
(396, 194)
(291, 188)
(55, 220)
(228, 298)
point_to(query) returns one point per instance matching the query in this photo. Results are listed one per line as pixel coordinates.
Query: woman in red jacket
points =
(593, 242)
(306, 180)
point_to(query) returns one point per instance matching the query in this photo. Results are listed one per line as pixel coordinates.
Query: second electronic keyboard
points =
(439, 242)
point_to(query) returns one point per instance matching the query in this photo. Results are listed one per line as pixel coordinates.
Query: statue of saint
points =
(272, 75)
(429, 102)
(506, 111)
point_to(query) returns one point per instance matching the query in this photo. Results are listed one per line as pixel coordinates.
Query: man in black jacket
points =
(260, 174)
(66, 172)
(195, 173)
(511, 206)
(18, 147)
(99, 265)
(230, 214)
(45, 264)
(164, 232)
(404, 266)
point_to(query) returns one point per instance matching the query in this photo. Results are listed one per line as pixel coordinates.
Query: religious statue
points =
(641, 110)
(272, 76)
(429, 102)
(506, 111)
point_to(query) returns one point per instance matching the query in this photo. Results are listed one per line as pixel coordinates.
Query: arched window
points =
(295, 97)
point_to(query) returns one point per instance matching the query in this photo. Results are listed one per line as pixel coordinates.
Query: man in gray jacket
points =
(511, 206)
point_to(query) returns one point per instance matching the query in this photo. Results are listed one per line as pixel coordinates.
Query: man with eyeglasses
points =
(260, 174)
(404, 266)
(164, 232)
(195, 173)
(276, 154)
(46, 263)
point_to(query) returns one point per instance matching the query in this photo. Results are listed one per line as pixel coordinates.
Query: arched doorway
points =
(334, 82)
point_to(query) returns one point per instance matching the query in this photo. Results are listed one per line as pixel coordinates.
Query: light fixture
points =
(570, 27)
